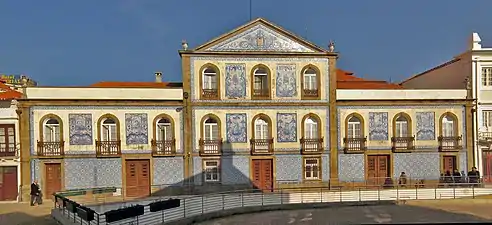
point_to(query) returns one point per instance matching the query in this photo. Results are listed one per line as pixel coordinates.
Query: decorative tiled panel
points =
(288, 168)
(260, 38)
(80, 173)
(235, 170)
(325, 166)
(463, 164)
(235, 80)
(417, 165)
(286, 127)
(236, 127)
(36, 171)
(80, 132)
(168, 171)
(197, 170)
(426, 128)
(378, 126)
(136, 128)
(108, 173)
(286, 85)
(351, 167)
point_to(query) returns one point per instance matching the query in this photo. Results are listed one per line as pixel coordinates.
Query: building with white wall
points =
(470, 70)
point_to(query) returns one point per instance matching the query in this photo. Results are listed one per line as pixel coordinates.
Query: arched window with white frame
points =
(401, 127)
(354, 127)
(109, 130)
(448, 126)
(211, 129)
(311, 128)
(51, 130)
(209, 79)
(261, 85)
(261, 129)
(164, 130)
(310, 80)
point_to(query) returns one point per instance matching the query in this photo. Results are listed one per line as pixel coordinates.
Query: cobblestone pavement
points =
(23, 214)
(349, 215)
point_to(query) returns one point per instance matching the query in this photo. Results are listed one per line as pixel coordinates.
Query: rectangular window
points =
(51, 133)
(211, 170)
(354, 130)
(7, 138)
(209, 82)
(164, 132)
(487, 118)
(211, 131)
(310, 82)
(401, 129)
(311, 168)
(108, 132)
(487, 76)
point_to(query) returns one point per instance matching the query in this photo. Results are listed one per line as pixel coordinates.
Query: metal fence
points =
(199, 205)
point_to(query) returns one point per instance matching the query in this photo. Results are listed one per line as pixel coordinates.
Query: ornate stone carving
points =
(260, 38)
(378, 126)
(136, 128)
(80, 132)
(236, 127)
(235, 80)
(426, 129)
(286, 127)
(286, 85)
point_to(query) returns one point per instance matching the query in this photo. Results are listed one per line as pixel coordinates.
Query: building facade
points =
(471, 70)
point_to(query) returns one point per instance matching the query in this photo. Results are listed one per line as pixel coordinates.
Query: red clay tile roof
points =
(6, 93)
(120, 84)
(346, 80)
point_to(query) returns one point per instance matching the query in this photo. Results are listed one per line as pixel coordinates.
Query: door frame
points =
(389, 154)
(274, 169)
(43, 179)
(124, 159)
(457, 157)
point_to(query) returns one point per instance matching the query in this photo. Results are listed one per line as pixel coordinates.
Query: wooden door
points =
(263, 174)
(487, 166)
(449, 163)
(378, 171)
(53, 179)
(137, 178)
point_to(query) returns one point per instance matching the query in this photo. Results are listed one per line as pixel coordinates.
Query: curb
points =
(256, 209)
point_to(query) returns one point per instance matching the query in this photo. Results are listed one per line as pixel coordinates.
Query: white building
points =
(9, 144)
(470, 70)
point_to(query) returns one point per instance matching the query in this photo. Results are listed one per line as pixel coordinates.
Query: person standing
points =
(35, 193)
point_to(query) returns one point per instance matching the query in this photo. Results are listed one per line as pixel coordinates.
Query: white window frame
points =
(352, 128)
(210, 127)
(264, 131)
(486, 76)
(208, 79)
(209, 175)
(311, 128)
(400, 126)
(448, 126)
(310, 79)
(53, 130)
(487, 119)
(310, 168)
(164, 130)
(107, 128)
(262, 76)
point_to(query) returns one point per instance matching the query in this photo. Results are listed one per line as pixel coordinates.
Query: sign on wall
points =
(16, 79)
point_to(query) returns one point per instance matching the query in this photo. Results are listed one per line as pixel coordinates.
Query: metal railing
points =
(261, 146)
(311, 146)
(450, 143)
(210, 147)
(51, 149)
(355, 145)
(193, 206)
(163, 147)
(9, 152)
(108, 148)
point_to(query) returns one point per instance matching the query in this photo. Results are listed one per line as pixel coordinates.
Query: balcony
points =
(311, 146)
(403, 144)
(164, 148)
(261, 93)
(210, 147)
(210, 94)
(449, 144)
(485, 138)
(261, 146)
(354, 145)
(8, 152)
(311, 93)
(108, 148)
(51, 149)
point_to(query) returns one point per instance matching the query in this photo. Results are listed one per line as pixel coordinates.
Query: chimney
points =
(158, 77)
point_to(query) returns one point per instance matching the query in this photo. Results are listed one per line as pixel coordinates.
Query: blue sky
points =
(60, 42)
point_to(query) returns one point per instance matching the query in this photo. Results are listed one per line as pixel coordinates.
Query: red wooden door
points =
(487, 166)
(377, 169)
(8, 183)
(449, 163)
(53, 179)
(263, 174)
(137, 178)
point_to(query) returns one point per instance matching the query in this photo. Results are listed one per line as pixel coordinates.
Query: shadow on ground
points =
(20, 218)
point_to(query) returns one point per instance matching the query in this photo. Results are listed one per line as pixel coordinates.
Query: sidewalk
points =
(476, 207)
(23, 214)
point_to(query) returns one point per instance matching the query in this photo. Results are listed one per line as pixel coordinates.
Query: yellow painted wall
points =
(272, 65)
(272, 113)
(392, 112)
(96, 114)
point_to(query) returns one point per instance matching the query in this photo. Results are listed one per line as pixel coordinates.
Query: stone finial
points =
(158, 77)
(475, 42)
(331, 46)
(184, 44)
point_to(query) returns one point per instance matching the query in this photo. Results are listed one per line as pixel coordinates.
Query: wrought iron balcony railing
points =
(354, 145)
(210, 147)
(210, 94)
(403, 144)
(261, 146)
(164, 147)
(50, 148)
(311, 93)
(311, 145)
(450, 143)
(108, 148)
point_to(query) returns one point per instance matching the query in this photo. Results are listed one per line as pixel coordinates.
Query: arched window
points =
(209, 79)
(402, 127)
(261, 83)
(210, 82)
(164, 131)
(448, 126)
(109, 130)
(261, 129)
(354, 127)
(211, 129)
(311, 128)
(51, 130)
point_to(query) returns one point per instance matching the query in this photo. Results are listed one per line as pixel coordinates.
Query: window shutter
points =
(47, 133)
(113, 133)
(56, 133)
(105, 133)
(215, 132)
